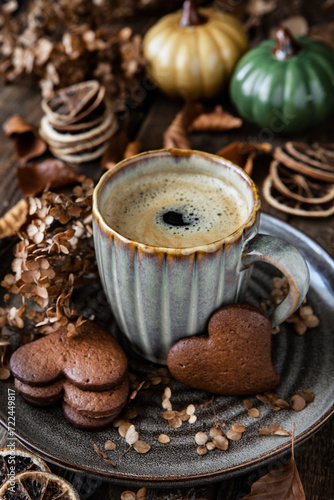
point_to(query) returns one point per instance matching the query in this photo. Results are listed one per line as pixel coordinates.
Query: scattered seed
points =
(164, 439)
(118, 422)
(311, 321)
(192, 419)
(131, 435)
(201, 450)
(169, 415)
(4, 373)
(109, 445)
(254, 412)
(233, 435)
(282, 432)
(300, 327)
(155, 380)
(190, 409)
(175, 422)
(248, 404)
(282, 403)
(167, 393)
(183, 415)
(131, 413)
(308, 395)
(123, 428)
(220, 442)
(128, 495)
(141, 494)
(264, 432)
(166, 404)
(238, 427)
(305, 311)
(274, 427)
(201, 438)
(214, 432)
(210, 445)
(297, 402)
(141, 446)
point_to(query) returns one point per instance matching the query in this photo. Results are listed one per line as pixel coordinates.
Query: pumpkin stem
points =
(286, 45)
(190, 15)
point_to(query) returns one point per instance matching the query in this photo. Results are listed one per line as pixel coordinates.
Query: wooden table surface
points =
(315, 457)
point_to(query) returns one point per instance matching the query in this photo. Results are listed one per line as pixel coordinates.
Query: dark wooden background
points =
(147, 122)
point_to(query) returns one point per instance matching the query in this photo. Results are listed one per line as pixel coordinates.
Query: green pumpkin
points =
(285, 86)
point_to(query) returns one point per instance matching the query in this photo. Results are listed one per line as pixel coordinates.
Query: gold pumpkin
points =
(192, 53)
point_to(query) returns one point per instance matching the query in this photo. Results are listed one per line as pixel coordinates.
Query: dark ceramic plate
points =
(305, 363)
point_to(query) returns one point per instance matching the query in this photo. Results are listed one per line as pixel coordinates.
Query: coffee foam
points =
(175, 210)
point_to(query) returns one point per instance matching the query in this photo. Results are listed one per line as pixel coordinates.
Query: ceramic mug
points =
(159, 295)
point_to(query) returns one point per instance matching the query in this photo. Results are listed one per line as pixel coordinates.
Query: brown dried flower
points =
(55, 254)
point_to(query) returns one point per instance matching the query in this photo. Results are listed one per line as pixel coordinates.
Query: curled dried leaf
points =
(115, 150)
(176, 136)
(50, 173)
(28, 143)
(283, 481)
(324, 32)
(243, 153)
(132, 149)
(217, 120)
(13, 220)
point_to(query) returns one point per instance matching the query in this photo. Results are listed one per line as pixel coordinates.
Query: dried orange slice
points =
(300, 187)
(38, 485)
(289, 205)
(22, 461)
(322, 174)
(317, 155)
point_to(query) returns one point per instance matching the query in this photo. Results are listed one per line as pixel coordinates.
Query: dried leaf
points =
(141, 446)
(12, 221)
(201, 438)
(28, 143)
(280, 484)
(243, 153)
(257, 9)
(115, 150)
(50, 173)
(324, 32)
(163, 438)
(176, 135)
(217, 120)
(132, 149)
(297, 25)
(131, 435)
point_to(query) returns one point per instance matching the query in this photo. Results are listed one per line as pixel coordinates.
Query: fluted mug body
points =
(160, 294)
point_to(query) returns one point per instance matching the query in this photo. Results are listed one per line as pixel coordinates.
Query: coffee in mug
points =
(173, 209)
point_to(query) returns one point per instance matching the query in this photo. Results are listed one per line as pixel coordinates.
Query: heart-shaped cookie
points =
(233, 360)
(91, 360)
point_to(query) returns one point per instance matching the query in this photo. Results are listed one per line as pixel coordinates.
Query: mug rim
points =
(207, 248)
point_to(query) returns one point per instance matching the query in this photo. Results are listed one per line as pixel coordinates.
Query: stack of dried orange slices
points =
(78, 122)
(31, 478)
(301, 180)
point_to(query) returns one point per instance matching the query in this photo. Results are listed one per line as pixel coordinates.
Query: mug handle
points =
(289, 261)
